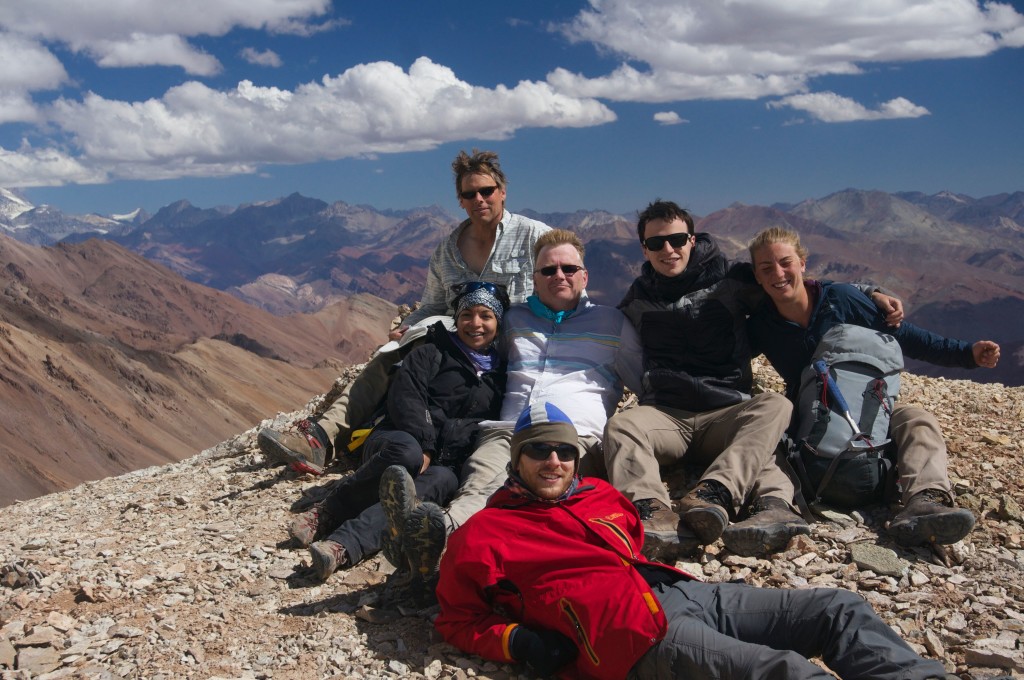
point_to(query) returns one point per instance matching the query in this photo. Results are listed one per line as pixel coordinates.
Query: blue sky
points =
(108, 105)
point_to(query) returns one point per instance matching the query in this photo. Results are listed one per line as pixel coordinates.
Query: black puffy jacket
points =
(692, 328)
(437, 397)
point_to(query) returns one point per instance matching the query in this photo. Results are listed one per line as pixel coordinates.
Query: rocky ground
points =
(185, 571)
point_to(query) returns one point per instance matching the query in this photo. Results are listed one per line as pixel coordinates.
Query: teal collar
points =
(545, 312)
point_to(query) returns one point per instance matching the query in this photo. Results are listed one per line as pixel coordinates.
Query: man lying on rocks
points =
(551, 574)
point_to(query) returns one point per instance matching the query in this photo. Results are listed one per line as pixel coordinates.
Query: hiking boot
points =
(663, 541)
(397, 494)
(304, 446)
(768, 528)
(930, 517)
(706, 510)
(328, 557)
(310, 525)
(424, 539)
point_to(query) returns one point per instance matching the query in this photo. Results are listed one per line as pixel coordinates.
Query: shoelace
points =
(645, 508)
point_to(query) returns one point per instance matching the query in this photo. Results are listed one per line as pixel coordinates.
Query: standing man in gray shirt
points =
(492, 247)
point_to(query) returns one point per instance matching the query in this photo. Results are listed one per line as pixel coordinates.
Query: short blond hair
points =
(767, 237)
(558, 237)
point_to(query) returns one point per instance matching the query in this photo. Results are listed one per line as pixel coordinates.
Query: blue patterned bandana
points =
(480, 296)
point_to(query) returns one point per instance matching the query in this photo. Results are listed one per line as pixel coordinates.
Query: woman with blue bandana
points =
(441, 392)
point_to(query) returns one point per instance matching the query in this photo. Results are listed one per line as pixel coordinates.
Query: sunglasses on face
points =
(567, 269)
(495, 289)
(540, 451)
(484, 192)
(674, 240)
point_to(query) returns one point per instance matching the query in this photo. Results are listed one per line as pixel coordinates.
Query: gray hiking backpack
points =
(843, 408)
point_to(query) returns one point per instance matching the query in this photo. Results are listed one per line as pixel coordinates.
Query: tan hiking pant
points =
(737, 444)
(921, 457)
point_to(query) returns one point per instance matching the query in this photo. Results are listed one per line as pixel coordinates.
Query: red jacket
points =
(567, 566)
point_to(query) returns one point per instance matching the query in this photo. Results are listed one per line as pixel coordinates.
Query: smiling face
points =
(476, 326)
(481, 210)
(548, 478)
(560, 292)
(780, 272)
(667, 261)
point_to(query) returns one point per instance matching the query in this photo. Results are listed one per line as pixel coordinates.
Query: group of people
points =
(500, 392)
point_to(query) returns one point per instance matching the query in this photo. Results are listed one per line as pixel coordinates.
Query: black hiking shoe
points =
(309, 526)
(768, 529)
(397, 493)
(930, 517)
(304, 446)
(664, 541)
(706, 510)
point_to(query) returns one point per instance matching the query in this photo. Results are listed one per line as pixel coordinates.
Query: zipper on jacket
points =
(580, 633)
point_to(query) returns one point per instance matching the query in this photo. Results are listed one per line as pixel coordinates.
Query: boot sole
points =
(707, 523)
(425, 538)
(943, 529)
(277, 452)
(761, 540)
(397, 494)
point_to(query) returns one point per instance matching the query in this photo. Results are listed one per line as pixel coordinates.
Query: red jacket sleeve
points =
(467, 619)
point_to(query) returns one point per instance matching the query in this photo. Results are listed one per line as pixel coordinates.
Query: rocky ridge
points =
(185, 570)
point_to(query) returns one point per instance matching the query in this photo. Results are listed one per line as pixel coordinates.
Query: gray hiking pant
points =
(727, 630)
(737, 444)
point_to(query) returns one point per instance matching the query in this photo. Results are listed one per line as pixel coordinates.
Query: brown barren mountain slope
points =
(109, 363)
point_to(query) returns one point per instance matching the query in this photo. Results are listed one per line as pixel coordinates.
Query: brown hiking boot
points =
(663, 539)
(304, 446)
(706, 510)
(310, 525)
(328, 557)
(770, 526)
(930, 517)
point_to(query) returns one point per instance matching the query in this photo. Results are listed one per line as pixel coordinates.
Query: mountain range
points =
(111, 362)
(956, 261)
(135, 339)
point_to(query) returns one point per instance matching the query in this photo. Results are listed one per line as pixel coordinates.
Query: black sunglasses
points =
(495, 289)
(485, 192)
(540, 451)
(674, 240)
(567, 269)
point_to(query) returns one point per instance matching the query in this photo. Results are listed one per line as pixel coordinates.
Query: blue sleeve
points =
(916, 343)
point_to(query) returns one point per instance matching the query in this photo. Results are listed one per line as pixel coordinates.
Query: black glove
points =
(545, 651)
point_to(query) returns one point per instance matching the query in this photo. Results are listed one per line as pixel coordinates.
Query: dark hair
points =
(662, 210)
(480, 163)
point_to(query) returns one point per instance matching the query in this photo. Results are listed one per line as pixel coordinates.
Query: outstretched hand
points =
(986, 353)
(397, 333)
(891, 307)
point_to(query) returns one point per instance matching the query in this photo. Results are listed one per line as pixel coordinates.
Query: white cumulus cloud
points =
(674, 50)
(195, 130)
(28, 167)
(832, 108)
(151, 32)
(669, 118)
(264, 58)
